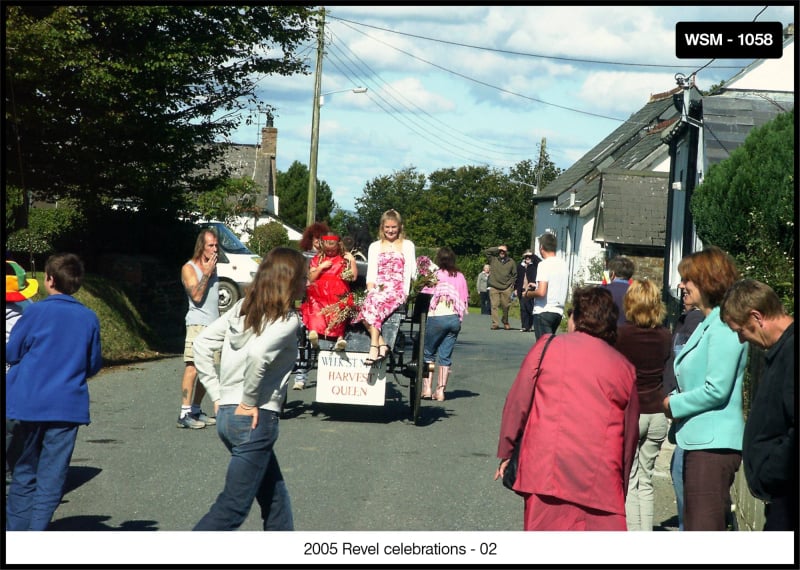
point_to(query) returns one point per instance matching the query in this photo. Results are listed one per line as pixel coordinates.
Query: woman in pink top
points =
(447, 309)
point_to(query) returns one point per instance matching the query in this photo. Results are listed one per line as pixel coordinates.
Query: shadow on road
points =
(77, 476)
(668, 525)
(97, 522)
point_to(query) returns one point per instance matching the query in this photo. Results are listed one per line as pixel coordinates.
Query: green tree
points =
(267, 236)
(468, 208)
(399, 191)
(15, 200)
(125, 101)
(232, 197)
(745, 205)
(292, 191)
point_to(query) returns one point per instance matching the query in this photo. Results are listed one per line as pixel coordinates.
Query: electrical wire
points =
(519, 53)
(396, 95)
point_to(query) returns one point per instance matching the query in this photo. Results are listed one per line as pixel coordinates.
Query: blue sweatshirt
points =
(53, 349)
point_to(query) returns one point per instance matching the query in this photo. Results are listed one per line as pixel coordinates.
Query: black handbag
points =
(510, 474)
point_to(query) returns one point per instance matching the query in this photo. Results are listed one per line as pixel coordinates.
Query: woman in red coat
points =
(329, 275)
(582, 430)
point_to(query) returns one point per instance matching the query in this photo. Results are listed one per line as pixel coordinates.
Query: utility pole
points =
(311, 209)
(539, 168)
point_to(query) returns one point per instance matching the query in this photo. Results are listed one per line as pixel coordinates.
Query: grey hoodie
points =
(254, 368)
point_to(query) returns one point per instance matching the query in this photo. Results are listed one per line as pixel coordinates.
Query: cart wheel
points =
(415, 385)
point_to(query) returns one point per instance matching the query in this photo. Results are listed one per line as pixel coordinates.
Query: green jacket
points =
(502, 274)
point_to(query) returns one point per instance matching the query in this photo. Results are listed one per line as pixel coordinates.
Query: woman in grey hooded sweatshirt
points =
(258, 340)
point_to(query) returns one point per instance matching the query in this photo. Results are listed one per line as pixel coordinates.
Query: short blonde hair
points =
(643, 304)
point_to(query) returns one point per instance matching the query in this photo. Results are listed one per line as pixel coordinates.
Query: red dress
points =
(326, 290)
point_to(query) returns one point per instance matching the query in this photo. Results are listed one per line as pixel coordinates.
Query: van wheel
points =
(228, 295)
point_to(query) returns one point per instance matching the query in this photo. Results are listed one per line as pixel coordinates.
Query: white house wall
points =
(768, 74)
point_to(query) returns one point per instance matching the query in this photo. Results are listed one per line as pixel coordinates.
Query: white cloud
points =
(419, 114)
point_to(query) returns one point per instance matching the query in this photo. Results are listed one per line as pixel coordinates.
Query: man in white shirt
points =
(551, 288)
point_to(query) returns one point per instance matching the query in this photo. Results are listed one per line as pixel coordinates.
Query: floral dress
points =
(388, 293)
(328, 288)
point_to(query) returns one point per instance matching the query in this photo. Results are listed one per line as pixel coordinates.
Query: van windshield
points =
(228, 240)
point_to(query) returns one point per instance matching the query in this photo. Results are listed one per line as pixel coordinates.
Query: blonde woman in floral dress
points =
(391, 263)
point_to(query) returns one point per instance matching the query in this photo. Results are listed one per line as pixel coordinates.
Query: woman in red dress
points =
(330, 273)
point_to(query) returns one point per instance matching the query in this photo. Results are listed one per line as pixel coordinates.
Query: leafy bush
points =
(15, 197)
(27, 241)
(267, 236)
(745, 205)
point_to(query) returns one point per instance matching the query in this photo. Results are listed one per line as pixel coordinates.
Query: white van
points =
(236, 265)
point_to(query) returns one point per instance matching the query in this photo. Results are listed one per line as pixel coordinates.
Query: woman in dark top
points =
(647, 343)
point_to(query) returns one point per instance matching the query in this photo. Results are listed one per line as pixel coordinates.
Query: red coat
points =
(583, 431)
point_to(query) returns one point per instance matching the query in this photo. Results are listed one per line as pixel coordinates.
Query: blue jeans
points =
(40, 472)
(545, 323)
(440, 338)
(253, 473)
(676, 471)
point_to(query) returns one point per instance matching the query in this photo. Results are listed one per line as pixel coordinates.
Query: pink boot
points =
(441, 383)
(426, 383)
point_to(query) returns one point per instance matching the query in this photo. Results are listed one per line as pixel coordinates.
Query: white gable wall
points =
(769, 74)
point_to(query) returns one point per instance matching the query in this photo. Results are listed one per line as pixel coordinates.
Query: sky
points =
(480, 85)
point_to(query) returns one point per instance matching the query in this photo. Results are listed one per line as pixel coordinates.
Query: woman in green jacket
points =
(707, 405)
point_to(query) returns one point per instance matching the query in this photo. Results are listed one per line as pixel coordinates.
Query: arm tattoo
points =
(201, 285)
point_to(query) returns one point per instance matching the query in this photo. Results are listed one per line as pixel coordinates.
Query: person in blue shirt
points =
(620, 272)
(52, 351)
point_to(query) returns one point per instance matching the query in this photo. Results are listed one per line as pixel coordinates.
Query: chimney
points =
(267, 166)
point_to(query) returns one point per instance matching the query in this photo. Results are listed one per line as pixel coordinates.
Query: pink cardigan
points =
(450, 289)
(583, 431)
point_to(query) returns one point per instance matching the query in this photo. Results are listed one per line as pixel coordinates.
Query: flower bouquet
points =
(344, 309)
(347, 272)
(426, 276)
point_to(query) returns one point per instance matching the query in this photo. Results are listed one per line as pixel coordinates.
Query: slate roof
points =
(631, 209)
(612, 148)
(644, 144)
(728, 119)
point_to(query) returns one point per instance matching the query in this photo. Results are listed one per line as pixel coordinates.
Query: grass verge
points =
(124, 334)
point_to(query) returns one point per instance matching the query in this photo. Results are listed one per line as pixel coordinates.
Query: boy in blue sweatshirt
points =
(53, 349)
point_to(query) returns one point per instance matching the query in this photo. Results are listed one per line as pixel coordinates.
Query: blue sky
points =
(544, 72)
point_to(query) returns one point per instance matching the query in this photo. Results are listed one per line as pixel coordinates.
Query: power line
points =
(522, 54)
(392, 91)
(394, 110)
(501, 89)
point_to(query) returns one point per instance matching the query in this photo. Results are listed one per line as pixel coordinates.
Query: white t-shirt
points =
(554, 271)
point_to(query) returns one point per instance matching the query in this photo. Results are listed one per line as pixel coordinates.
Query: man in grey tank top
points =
(200, 281)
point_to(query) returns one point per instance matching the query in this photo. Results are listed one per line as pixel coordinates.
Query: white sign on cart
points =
(343, 378)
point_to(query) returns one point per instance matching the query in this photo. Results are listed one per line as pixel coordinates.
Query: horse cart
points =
(344, 378)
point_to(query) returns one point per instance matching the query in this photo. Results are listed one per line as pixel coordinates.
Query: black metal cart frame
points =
(404, 333)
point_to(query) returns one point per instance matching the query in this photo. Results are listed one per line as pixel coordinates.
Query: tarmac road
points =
(348, 468)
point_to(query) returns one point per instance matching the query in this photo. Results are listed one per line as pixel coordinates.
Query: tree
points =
(467, 208)
(126, 101)
(232, 197)
(745, 205)
(292, 191)
(398, 191)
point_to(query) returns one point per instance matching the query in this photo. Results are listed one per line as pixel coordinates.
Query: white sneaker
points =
(298, 385)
